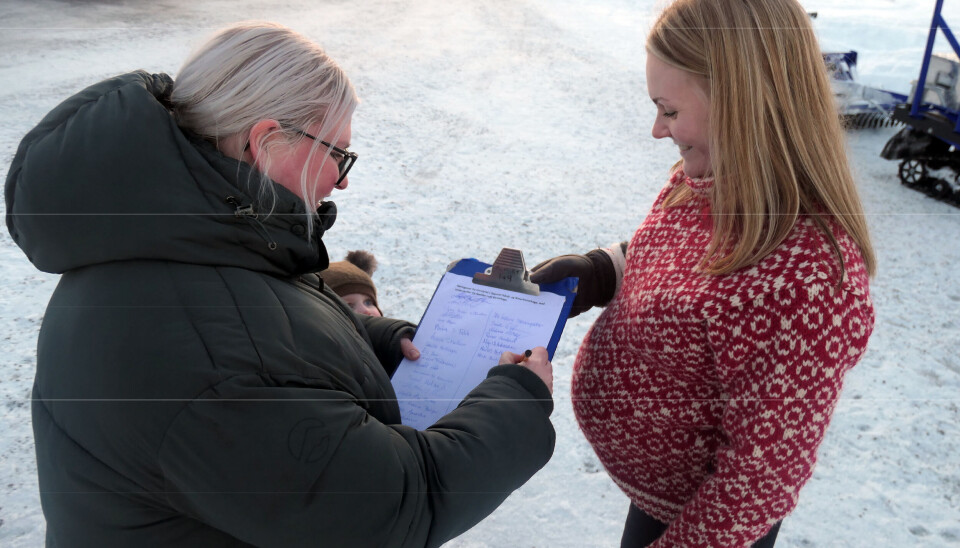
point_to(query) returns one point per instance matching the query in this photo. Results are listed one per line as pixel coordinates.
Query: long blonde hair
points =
(254, 70)
(777, 144)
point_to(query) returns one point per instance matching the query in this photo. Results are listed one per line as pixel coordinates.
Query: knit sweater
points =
(705, 397)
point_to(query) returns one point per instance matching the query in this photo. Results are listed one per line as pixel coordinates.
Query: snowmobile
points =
(927, 146)
(861, 106)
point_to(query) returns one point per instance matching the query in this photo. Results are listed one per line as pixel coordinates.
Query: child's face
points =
(683, 113)
(361, 304)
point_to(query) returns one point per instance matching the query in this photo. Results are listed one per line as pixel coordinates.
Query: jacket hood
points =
(109, 176)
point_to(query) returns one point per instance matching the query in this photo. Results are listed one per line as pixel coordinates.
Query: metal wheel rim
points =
(912, 172)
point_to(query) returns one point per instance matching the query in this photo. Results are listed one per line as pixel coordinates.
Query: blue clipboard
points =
(477, 311)
(508, 273)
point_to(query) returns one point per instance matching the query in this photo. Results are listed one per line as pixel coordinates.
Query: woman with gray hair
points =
(192, 388)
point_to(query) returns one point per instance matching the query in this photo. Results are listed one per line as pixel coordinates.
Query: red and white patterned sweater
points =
(706, 397)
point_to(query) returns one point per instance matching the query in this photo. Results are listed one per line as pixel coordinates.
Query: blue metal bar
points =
(949, 35)
(956, 50)
(922, 81)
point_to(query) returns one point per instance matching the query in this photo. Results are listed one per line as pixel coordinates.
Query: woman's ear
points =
(258, 132)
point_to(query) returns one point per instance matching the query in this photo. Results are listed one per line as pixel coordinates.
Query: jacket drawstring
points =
(247, 212)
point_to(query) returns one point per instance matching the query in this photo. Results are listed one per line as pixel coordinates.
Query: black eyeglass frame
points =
(344, 165)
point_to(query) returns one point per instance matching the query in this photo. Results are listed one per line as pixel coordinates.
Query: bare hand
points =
(409, 351)
(537, 362)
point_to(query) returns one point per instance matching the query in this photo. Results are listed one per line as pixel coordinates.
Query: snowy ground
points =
(525, 123)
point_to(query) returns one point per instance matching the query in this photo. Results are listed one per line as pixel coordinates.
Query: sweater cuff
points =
(617, 253)
(528, 380)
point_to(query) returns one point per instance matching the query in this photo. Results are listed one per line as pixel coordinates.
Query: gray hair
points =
(256, 70)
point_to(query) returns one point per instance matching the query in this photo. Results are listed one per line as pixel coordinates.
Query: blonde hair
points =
(255, 70)
(777, 144)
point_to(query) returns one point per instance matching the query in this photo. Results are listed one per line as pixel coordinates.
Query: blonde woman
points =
(707, 383)
(192, 389)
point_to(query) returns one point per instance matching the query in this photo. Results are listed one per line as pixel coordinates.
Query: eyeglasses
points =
(344, 162)
(346, 158)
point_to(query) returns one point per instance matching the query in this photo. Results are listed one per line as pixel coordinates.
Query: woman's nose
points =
(660, 129)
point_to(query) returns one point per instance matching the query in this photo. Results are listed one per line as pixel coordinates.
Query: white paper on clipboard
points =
(461, 336)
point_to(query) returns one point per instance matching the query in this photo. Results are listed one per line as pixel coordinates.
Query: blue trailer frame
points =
(918, 110)
(930, 142)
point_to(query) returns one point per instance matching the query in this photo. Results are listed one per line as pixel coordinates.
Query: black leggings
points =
(641, 530)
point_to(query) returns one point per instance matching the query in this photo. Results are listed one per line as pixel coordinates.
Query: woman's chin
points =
(693, 170)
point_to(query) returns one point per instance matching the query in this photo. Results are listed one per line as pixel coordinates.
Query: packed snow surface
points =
(526, 123)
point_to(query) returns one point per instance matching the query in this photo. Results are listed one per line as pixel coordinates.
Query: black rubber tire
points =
(942, 189)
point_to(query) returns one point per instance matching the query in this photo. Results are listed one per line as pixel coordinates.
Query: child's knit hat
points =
(353, 275)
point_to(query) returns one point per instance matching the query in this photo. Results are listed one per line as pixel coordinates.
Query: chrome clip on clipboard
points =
(508, 272)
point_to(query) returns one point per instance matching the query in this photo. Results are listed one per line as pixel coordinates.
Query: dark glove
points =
(598, 277)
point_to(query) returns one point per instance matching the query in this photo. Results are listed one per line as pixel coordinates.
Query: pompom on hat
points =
(353, 275)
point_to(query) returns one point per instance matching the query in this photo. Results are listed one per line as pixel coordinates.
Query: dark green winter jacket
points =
(192, 390)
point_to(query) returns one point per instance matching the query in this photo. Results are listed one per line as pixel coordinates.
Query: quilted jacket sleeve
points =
(385, 335)
(296, 467)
